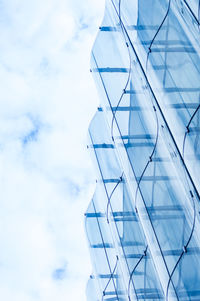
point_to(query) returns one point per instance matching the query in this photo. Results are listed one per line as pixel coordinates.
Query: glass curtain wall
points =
(143, 223)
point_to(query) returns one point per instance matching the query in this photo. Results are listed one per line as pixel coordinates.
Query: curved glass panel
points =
(133, 254)
(166, 53)
(102, 252)
(145, 141)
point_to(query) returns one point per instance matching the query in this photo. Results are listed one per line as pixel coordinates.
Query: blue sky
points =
(47, 100)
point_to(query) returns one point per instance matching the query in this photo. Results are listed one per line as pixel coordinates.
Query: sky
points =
(47, 99)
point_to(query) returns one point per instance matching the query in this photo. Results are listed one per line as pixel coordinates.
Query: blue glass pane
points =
(145, 142)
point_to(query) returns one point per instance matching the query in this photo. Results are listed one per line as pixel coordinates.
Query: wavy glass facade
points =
(143, 223)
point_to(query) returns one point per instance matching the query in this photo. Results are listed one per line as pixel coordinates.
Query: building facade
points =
(143, 223)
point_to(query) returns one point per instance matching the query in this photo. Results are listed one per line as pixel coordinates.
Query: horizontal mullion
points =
(131, 27)
(177, 252)
(106, 181)
(134, 91)
(145, 27)
(96, 214)
(127, 108)
(109, 28)
(107, 276)
(181, 89)
(123, 213)
(174, 49)
(166, 208)
(194, 129)
(148, 293)
(125, 219)
(139, 144)
(139, 136)
(168, 43)
(111, 70)
(136, 256)
(155, 178)
(102, 145)
(167, 217)
(102, 246)
(188, 105)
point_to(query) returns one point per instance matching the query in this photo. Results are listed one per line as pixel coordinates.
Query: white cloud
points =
(46, 180)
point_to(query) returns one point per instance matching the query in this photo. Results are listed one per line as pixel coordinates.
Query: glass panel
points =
(122, 218)
(145, 141)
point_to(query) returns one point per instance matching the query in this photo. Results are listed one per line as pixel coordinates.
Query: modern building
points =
(143, 223)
